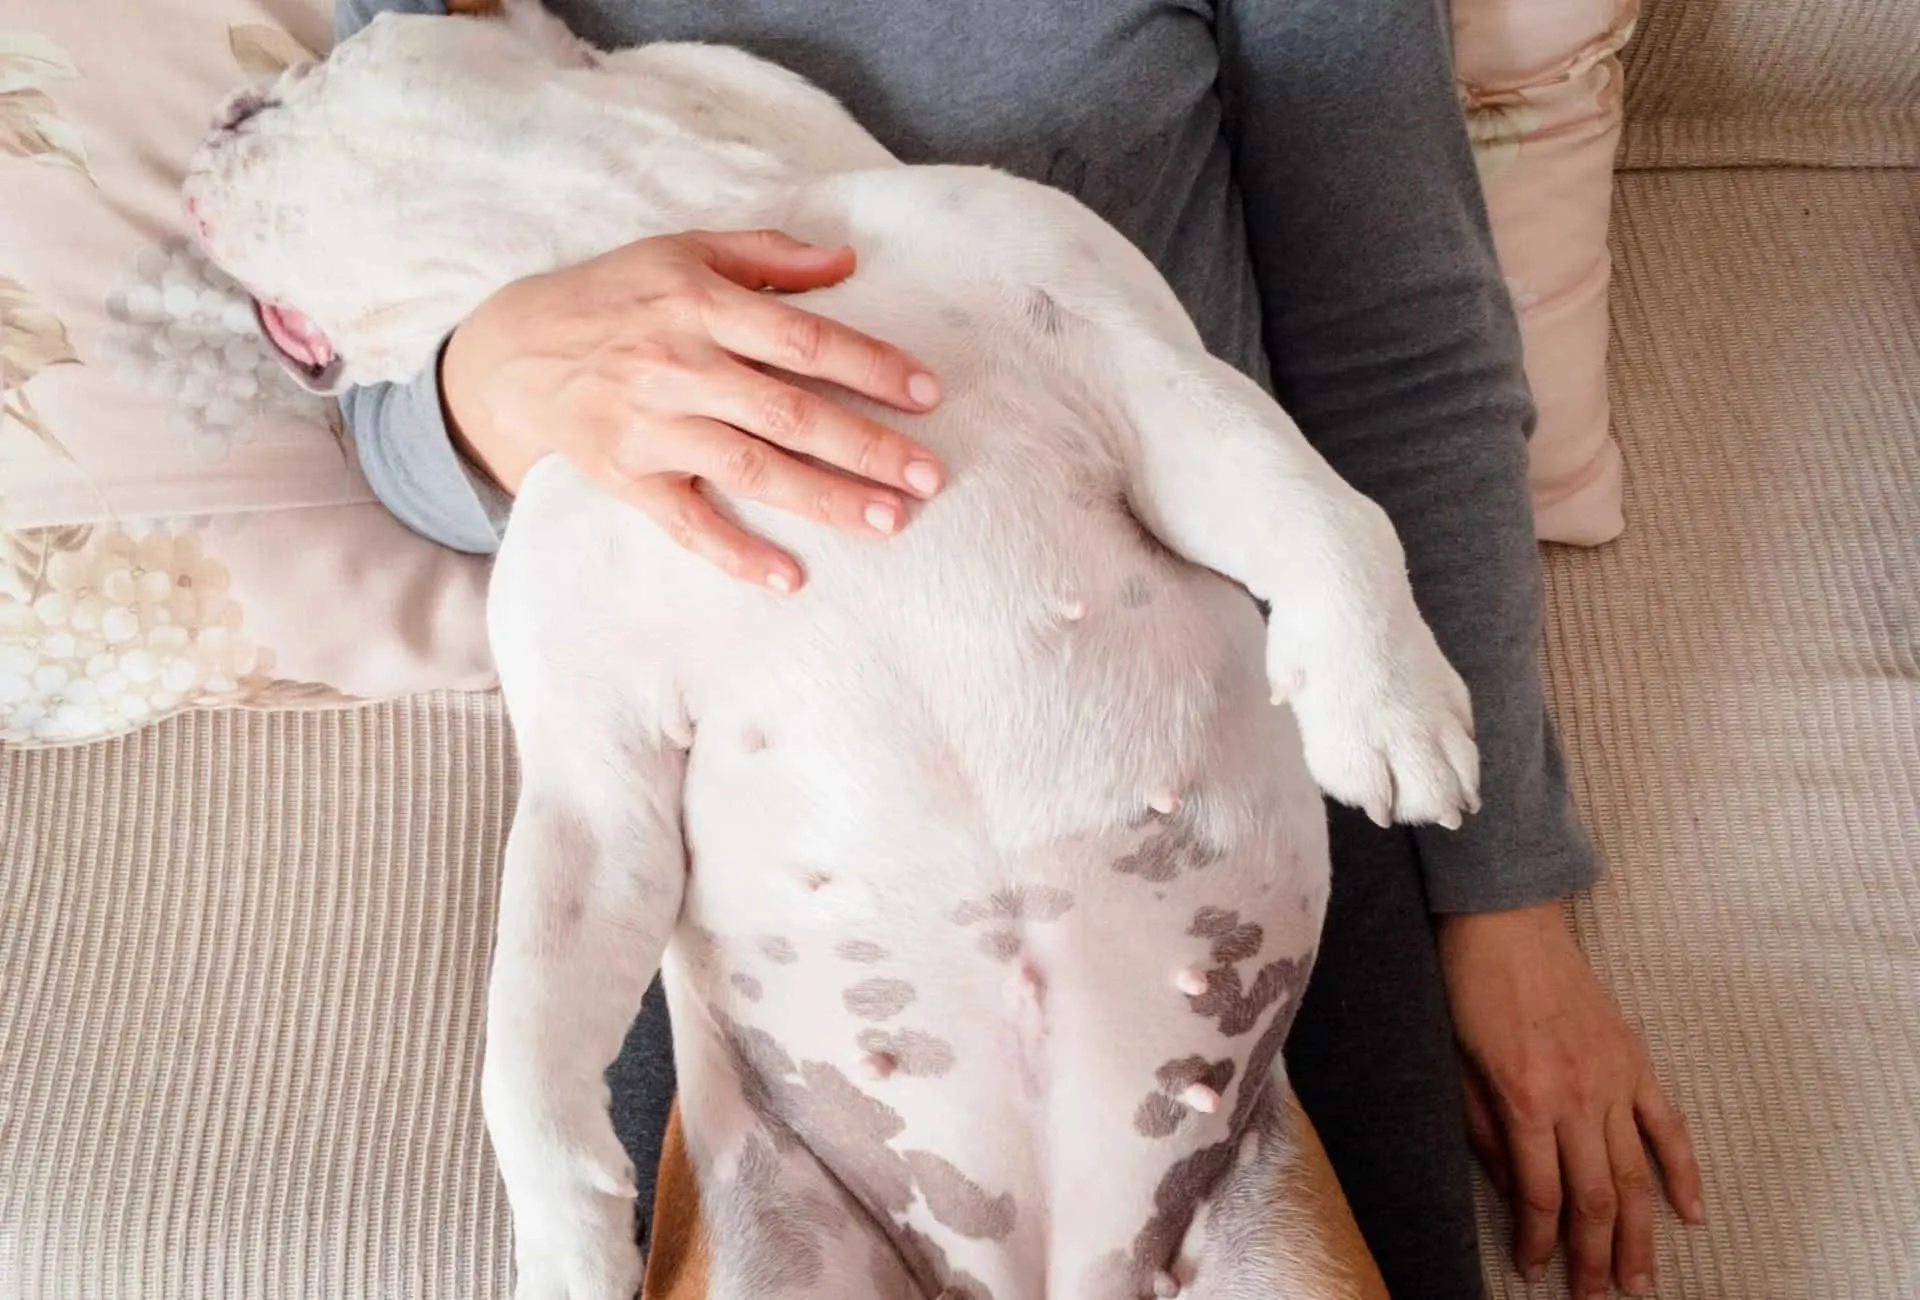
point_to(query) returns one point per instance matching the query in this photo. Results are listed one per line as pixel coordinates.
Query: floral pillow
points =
(180, 524)
(1541, 84)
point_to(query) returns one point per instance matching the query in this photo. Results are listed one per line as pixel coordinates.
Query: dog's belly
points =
(1008, 937)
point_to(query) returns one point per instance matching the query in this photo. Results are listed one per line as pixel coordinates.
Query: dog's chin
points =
(302, 348)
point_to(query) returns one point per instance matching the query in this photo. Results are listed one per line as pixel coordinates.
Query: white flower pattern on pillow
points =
(130, 625)
(188, 336)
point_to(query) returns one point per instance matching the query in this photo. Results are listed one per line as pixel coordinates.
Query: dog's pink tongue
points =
(295, 335)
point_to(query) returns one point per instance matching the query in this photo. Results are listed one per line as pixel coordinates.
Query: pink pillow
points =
(179, 524)
(1541, 84)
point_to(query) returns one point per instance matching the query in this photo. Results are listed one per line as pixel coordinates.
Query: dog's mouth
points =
(301, 346)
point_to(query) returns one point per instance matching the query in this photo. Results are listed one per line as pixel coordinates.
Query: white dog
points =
(984, 868)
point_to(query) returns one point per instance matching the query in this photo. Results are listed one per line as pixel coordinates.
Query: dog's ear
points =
(474, 8)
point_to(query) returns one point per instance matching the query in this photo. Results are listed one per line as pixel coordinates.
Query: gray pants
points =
(1371, 1054)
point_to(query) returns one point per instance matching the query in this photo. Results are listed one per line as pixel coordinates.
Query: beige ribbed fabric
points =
(1738, 682)
(1725, 83)
(241, 965)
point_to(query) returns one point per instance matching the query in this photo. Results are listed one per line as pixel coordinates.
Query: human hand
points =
(640, 367)
(1560, 1097)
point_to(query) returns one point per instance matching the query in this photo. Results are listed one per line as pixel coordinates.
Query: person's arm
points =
(1393, 343)
(648, 368)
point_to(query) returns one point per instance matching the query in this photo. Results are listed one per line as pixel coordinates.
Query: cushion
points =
(180, 525)
(1541, 83)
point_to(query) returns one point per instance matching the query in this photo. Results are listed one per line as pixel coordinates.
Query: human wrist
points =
(1459, 926)
(460, 366)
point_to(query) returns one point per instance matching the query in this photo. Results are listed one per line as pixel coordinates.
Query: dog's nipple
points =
(1192, 981)
(1201, 1098)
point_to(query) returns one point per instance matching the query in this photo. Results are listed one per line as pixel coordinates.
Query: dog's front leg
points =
(595, 868)
(1225, 478)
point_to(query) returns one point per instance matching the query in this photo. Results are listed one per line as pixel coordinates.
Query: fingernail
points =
(924, 389)
(882, 518)
(780, 582)
(923, 477)
(1639, 1284)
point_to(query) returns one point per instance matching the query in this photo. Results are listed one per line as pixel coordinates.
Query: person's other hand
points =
(1562, 1100)
(641, 367)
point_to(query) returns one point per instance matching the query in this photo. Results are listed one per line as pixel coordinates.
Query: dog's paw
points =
(576, 1245)
(569, 1183)
(1387, 726)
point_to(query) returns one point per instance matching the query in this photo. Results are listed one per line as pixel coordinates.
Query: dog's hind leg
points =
(595, 868)
(755, 1214)
(1278, 1225)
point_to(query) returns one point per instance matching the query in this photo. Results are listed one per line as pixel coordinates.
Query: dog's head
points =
(367, 202)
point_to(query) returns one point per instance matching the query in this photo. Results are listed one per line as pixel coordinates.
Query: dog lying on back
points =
(985, 872)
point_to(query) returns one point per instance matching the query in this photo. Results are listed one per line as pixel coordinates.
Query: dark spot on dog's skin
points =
(1239, 1007)
(769, 1235)
(860, 952)
(1176, 1077)
(813, 1105)
(878, 999)
(1001, 945)
(1238, 944)
(761, 1065)
(912, 1052)
(700, 948)
(778, 951)
(815, 881)
(1015, 903)
(959, 1203)
(1162, 1113)
(748, 986)
(1158, 1116)
(1211, 921)
(1190, 1180)
(958, 317)
(845, 1128)
(1174, 845)
(1136, 593)
(1041, 312)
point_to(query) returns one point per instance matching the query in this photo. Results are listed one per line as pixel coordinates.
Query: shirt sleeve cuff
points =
(400, 432)
(1525, 846)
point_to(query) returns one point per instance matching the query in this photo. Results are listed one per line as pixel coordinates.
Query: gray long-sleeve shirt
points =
(1299, 171)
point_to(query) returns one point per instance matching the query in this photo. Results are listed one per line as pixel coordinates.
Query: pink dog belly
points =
(1034, 1065)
